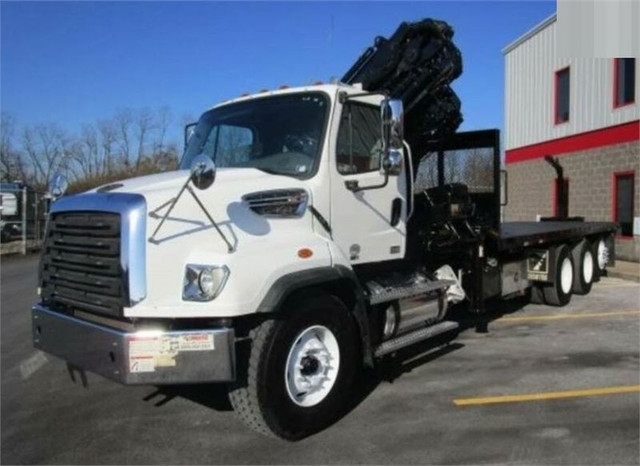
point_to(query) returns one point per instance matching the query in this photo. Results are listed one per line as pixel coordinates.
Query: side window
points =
(359, 139)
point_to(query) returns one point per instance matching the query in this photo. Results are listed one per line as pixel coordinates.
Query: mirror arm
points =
(206, 212)
(353, 186)
(173, 202)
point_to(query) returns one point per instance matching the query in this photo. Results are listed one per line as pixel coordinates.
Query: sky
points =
(76, 62)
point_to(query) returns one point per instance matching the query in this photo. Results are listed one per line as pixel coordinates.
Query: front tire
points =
(300, 370)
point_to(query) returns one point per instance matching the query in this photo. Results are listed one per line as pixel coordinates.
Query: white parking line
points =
(33, 363)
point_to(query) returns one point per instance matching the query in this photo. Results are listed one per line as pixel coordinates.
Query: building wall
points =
(590, 174)
(530, 66)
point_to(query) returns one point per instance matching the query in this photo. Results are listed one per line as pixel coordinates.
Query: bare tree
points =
(163, 120)
(123, 121)
(48, 149)
(12, 165)
(144, 125)
(478, 170)
(108, 138)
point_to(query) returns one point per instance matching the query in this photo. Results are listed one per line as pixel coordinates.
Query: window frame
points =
(615, 176)
(556, 96)
(328, 117)
(335, 158)
(616, 87)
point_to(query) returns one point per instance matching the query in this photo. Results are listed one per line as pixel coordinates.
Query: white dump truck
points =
(305, 235)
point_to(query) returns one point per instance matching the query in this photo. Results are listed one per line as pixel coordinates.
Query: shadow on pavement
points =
(388, 369)
(211, 395)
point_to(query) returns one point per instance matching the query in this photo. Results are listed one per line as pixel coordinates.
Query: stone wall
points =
(590, 176)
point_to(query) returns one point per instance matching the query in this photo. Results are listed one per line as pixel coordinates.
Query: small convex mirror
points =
(203, 171)
(392, 115)
(58, 185)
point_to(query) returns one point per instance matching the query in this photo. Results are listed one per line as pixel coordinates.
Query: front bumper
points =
(145, 357)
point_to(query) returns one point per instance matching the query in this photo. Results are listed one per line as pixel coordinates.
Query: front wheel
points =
(300, 370)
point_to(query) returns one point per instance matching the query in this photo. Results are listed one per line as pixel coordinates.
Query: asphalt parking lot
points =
(544, 386)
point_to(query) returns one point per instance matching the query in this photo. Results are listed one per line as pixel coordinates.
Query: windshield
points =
(281, 135)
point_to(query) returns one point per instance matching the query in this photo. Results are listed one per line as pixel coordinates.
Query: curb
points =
(623, 276)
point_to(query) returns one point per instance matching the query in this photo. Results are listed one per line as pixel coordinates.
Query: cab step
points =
(382, 294)
(415, 336)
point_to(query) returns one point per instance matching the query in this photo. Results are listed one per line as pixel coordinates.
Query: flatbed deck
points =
(514, 235)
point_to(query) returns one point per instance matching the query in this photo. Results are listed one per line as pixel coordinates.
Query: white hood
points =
(175, 179)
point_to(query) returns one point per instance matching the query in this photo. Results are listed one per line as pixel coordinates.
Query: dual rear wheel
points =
(575, 271)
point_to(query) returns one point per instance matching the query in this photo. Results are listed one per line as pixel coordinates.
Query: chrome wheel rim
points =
(566, 275)
(312, 366)
(603, 255)
(587, 267)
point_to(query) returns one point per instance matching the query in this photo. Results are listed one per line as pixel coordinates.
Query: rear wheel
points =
(300, 370)
(600, 252)
(584, 263)
(558, 293)
(536, 295)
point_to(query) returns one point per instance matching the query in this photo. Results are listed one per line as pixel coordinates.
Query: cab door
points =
(369, 225)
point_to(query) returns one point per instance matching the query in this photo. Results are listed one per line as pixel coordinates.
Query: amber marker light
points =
(305, 253)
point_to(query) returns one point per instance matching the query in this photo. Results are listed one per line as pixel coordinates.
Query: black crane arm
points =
(416, 64)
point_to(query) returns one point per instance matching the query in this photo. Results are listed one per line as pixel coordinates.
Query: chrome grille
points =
(81, 266)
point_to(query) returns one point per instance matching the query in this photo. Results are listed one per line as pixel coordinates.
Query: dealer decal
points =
(196, 342)
(150, 352)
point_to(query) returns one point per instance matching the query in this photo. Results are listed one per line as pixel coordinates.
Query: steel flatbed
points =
(516, 235)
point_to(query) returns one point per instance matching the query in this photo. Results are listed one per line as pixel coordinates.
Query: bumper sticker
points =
(148, 353)
(196, 342)
(141, 364)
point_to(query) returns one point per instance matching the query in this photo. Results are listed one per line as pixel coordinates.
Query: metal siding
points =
(530, 86)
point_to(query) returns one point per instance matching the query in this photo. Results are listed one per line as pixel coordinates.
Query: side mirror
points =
(58, 185)
(203, 172)
(504, 196)
(392, 116)
(188, 132)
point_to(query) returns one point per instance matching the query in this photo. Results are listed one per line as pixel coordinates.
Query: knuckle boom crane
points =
(417, 65)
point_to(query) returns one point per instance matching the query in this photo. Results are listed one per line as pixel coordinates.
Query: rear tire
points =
(584, 264)
(300, 370)
(559, 292)
(536, 295)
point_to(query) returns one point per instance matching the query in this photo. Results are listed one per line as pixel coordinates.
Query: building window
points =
(562, 96)
(624, 81)
(623, 189)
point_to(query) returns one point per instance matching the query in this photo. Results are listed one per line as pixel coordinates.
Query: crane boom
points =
(417, 65)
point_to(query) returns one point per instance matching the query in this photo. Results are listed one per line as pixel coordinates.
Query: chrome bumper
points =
(145, 357)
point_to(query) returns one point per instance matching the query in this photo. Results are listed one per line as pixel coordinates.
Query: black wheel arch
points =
(338, 281)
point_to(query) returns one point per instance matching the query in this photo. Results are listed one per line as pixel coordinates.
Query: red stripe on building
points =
(590, 140)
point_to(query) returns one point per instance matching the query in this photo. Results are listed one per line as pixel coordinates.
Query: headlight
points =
(203, 282)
